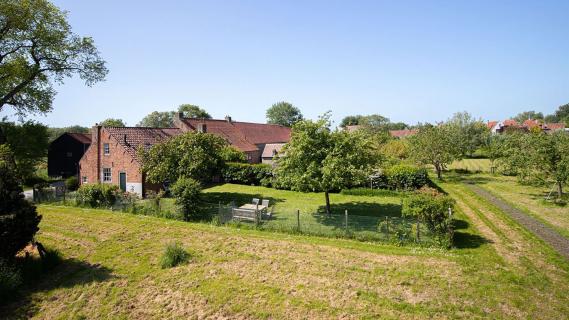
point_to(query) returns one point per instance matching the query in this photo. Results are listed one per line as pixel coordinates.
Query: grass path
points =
(112, 271)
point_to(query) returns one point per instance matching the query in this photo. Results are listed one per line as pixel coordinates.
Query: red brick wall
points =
(118, 160)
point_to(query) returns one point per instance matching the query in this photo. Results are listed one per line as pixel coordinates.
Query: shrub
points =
(98, 195)
(432, 209)
(247, 173)
(10, 280)
(18, 218)
(188, 197)
(72, 183)
(402, 177)
(174, 255)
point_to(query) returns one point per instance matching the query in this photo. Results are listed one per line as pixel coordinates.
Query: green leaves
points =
(283, 113)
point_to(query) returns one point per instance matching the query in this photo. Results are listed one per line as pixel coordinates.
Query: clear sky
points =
(408, 60)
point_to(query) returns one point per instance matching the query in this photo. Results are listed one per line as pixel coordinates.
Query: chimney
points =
(228, 119)
(202, 127)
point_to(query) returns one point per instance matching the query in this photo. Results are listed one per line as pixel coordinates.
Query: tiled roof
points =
(555, 126)
(491, 124)
(511, 123)
(132, 138)
(243, 135)
(531, 123)
(402, 133)
(84, 138)
(271, 149)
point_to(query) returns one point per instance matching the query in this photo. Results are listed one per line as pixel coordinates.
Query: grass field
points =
(472, 165)
(111, 270)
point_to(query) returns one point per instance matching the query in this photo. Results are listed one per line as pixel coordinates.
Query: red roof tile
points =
(84, 138)
(402, 133)
(555, 126)
(511, 123)
(132, 138)
(271, 149)
(491, 124)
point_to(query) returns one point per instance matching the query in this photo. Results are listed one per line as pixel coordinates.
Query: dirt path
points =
(550, 236)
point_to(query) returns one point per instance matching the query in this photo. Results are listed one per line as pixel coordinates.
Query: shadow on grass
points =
(464, 240)
(238, 198)
(67, 274)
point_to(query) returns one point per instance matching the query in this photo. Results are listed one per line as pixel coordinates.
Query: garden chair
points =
(268, 214)
(255, 201)
(265, 203)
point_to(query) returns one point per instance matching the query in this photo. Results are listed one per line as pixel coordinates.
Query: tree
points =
(193, 111)
(188, 196)
(28, 143)
(18, 218)
(111, 122)
(37, 48)
(562, 113)
(435, 145)
(284, 114)
(528, 115)
(317, 159)
(158, 119)
(350, 121)
(191, 155)
(54, 133)
(469, 133)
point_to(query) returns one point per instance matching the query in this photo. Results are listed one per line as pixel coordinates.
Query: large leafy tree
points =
(112, 122)
(469, 133)
(562, 113)
(157, 119)
(375, 122)
(28, 143)
(436, 146)
(527, 115)
(194, 155)
(193, 111)
(38, 49)
(283, 113)
(318, 159)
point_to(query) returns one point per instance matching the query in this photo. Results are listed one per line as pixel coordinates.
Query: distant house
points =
(403, 133)
(498, 127)
(113, 158)
(65, 152)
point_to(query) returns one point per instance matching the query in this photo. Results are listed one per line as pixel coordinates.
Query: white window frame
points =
(106, 149)
(110, 175)
(84, 179)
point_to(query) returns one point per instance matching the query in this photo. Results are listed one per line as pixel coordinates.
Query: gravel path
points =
(550, 236)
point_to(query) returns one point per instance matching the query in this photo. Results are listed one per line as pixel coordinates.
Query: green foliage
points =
(111, 122)
(433, 210)
(402, 177)
(187, 192)
(246, 173)
(38, 48)
(372, 122)
(54, 133)
(435, 145)
(193, 155)
(174, 255)
(232, 154)
(468, 133)
(72, 183)
(370, 192)
(29, 143)
(157, 119)
(18, 218)
(98, 195)
(283, 113)
(527, 115)
(10, 280)
(396, 149)
(193, 111)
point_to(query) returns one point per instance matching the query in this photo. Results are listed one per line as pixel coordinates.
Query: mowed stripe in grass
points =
(246, 273)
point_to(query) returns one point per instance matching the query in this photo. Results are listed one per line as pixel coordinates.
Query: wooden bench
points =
(245, 214)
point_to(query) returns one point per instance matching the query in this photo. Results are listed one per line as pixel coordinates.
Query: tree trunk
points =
(439, 171)
(559, 189)
(327, 195)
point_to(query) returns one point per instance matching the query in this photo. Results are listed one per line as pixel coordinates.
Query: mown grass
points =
(471, 165)
(112, 270)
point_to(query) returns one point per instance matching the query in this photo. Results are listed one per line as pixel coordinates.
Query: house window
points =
(249, 157)
(106, 149)
(107, 175)
(83, 179)
(69, 154)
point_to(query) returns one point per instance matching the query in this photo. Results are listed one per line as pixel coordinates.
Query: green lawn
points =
(473, 165)
(112, 270)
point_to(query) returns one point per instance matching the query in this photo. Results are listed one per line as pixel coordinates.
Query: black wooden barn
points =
(65, 152)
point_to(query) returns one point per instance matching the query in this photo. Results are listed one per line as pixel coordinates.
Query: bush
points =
(432, 209)
(18, 218)
(248, 174)
(10, 280)
(188, 197)
(174, 255)
(72, 183)
(402, 177)
(98, 195)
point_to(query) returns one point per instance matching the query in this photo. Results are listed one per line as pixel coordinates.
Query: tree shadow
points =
(238, 198)
(460, 224)
(67, 274)
(465, 240)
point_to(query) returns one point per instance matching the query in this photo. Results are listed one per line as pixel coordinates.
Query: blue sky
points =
(408, 60)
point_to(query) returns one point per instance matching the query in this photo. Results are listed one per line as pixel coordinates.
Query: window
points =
(249, 157)
(83, 179)
(107, 175)
(106, 149)
(69, 154)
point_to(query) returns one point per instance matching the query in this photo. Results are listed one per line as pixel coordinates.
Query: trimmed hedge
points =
(248, 174)
(98, 195)
(402, 177)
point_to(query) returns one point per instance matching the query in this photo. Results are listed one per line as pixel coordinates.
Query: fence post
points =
(298, 220)
(346, 213)
(387, 227)
(418, 233)
(449, 212)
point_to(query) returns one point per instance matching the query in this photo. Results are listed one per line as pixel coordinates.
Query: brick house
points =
(112, 157)
(497, 127)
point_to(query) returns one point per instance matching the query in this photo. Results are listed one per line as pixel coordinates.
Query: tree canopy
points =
(527, 115)
(317, 159)
(28, 142)
(38, 48)
(373, 122)
(435, 145)
(469, 133)
(284, 114)
(193, 111)
(194, 155)
(158, 119)
(111, 122)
